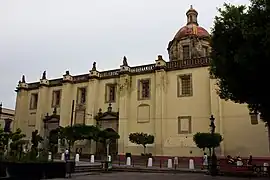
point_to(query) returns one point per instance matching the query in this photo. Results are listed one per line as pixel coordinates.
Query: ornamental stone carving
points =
(125, 85)
(67, 77)
(93, 72)
(196, 48)
(124, 67)
(44, 75)
(164, 81)
(23, 79)
(180, 141)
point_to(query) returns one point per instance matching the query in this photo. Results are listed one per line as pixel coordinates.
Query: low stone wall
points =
(181, 160)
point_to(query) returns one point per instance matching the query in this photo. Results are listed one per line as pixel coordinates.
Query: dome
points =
(191, 41)
(191, 29)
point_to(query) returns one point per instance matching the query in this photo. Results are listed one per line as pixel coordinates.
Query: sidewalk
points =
(142, 168)
(125, 168)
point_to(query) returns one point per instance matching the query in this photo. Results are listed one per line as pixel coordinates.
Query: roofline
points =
(136, 70)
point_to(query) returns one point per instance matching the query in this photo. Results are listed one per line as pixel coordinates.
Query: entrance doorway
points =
(108, 120)
(51, 125)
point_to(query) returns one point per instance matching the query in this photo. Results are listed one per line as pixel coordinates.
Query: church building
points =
(170, 99)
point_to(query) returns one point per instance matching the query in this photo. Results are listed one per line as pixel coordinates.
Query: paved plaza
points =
(148, 176)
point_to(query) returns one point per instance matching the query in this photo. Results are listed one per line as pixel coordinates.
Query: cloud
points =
(65, 34)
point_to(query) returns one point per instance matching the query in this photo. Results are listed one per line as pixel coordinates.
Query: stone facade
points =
(170, 99)
(6, 117)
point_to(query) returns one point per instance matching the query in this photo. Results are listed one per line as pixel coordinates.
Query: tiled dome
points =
(191, 29)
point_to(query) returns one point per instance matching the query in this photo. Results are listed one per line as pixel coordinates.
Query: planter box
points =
(55, 170)
(36, 170)
(3, 170)
(70, 166)
(22, 170)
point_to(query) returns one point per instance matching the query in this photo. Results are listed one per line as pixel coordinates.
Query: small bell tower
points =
(192, 16)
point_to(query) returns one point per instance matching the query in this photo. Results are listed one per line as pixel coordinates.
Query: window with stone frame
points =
(186, 52)
(184, 85)
(184, 125)
(81, 96)
(110, 93)
(143, 89)
(80, 116)
(205, 51)
(34, 101)
(56, 98)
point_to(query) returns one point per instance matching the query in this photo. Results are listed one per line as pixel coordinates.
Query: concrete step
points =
(95, 168)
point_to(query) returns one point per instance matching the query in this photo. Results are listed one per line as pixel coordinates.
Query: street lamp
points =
(213, 168)
(212, 124)
(0, 109)
(253, 117)
(71, 124)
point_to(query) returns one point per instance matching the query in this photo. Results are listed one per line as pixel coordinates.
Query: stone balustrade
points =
(143, 69)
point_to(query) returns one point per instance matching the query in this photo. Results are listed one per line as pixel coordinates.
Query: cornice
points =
(136, 70)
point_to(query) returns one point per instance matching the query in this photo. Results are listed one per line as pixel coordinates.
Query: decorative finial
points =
(99, 111)
(191, 7)
(23, 79)
(44, 75)
(110, 107)
(160, 57)
(67, 73)
(125, 61)
(54, 110)
(94, 68)
(1, 105)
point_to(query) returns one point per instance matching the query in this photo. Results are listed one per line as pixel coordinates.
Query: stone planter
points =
(36, 170)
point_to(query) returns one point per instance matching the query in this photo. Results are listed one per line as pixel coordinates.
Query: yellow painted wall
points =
(7, 114)
(232, 120)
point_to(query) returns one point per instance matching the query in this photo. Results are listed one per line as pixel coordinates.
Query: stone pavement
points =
(148, 176)
(83, 163)
(137, 168)
(141, 168)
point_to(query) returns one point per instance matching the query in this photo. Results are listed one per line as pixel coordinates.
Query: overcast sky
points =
(60, 35)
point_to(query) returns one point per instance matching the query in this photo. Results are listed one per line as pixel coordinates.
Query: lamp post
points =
(71, 124)
(212, 124)
(253, 117)
(213, 168)
(1, 110)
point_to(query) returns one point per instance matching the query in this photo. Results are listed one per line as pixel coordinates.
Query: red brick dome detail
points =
(192, 29)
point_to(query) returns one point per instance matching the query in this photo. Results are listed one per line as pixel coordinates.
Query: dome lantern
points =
(192, 27)
(192, 16)
(190, 41)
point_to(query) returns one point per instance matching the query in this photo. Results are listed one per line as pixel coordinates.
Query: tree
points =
(16, 142)
(4, 139)
(2, 145)
(207, 140)
(35, 140)
(240, 55)
(90, 133)
(68, 134)
(53, 141)
(141, 139)
(78, 132)
(106, 136)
